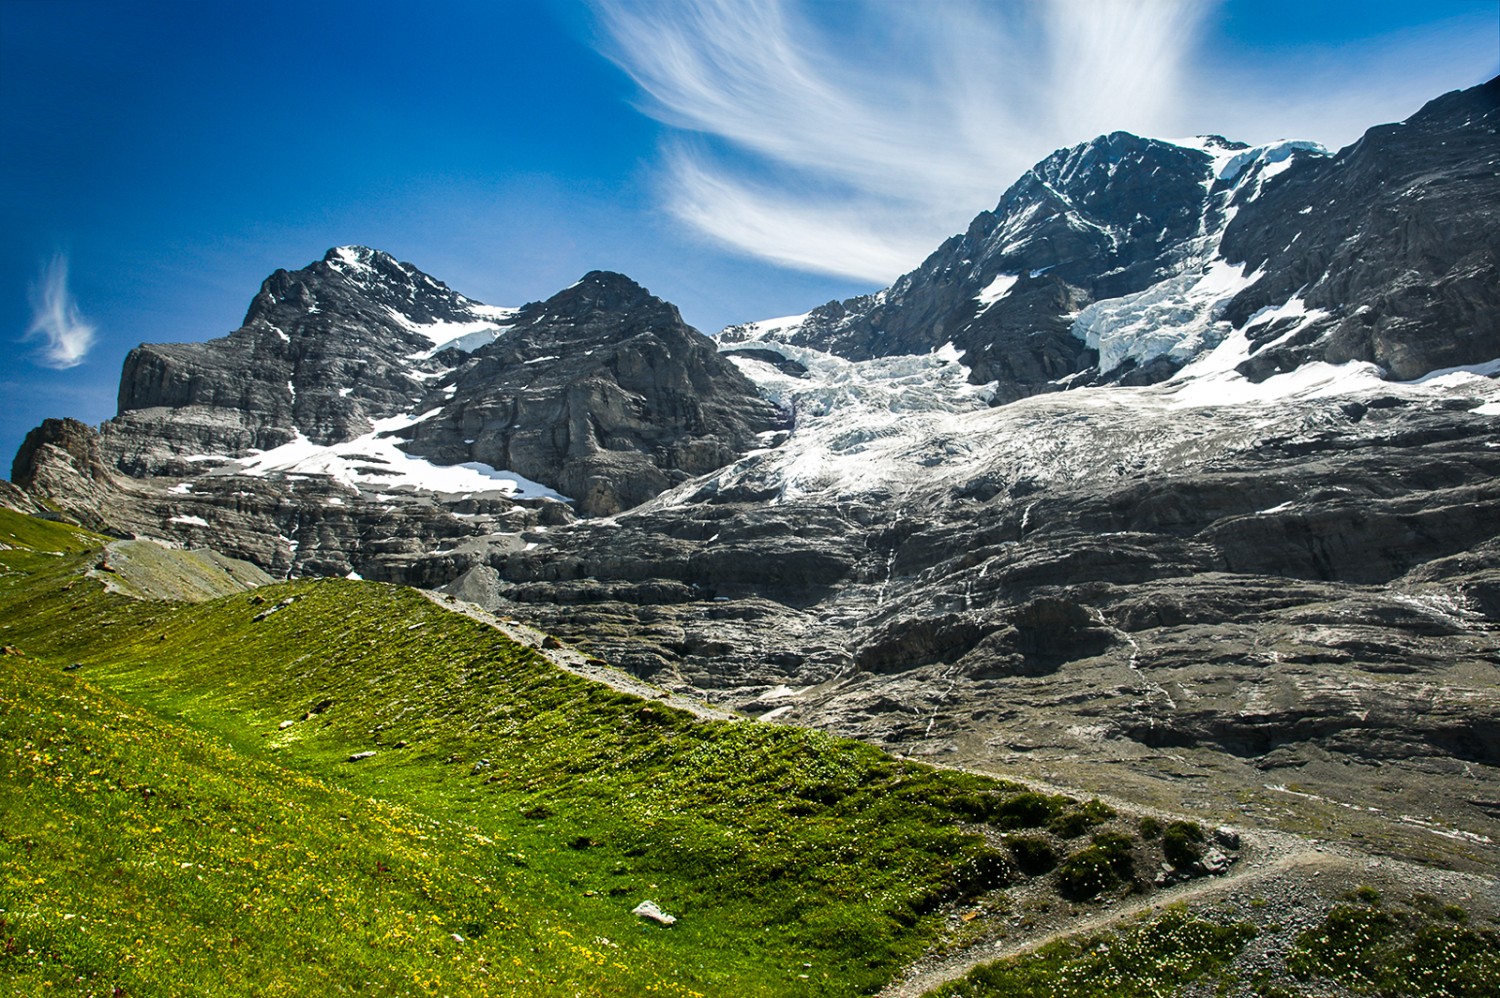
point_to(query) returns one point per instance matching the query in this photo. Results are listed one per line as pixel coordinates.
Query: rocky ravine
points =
(1208, 554)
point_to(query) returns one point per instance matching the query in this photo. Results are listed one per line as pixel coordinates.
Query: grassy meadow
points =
(184, 812)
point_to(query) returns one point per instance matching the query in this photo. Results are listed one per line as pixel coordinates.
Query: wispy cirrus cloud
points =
(851, 138)
(56, 320)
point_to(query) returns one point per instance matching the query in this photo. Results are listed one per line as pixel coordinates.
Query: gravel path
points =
(1259, 860)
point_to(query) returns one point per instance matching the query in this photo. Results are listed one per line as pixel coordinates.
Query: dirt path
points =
(1266, 860)
(572, 660)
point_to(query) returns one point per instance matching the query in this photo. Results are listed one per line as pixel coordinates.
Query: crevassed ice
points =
(854, 421)
(1177, 318)
(913, 423)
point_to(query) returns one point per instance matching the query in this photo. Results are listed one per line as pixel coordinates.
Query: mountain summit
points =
(1120, 259)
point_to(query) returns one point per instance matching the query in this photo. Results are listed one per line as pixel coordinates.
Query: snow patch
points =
(1459, 375)
(766, 329)
(467, 336)
(189, 521)
(997, 289)
(376, 461)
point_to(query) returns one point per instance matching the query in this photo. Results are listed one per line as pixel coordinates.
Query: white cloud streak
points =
(852, 138)
(55, 319)
(855, 144)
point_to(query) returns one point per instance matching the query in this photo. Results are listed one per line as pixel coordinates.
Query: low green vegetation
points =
(1034, 854)
(1075, 821)
(1152, 959)
(330, 786)
(1182, 843)
(1104, 862)
(1423, 950)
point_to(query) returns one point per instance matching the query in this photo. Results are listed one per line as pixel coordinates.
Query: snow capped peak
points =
(347, 259)
(765, 329)
(1230, 158)
(1273, 158)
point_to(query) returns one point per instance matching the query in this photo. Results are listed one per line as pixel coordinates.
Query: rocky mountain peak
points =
(601, 306)
(1385, 252)
(1101, 219)
(360, 280)
(324, 352)
(1120, 259)
(601, 392)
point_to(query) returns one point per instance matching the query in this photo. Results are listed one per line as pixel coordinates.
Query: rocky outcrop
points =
(601, 392)
(61, 460)
(295, 525)
(18, 500)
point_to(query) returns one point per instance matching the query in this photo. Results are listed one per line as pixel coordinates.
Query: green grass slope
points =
(167, 831)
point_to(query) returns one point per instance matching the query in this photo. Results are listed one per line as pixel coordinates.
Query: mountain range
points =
(1176, 474)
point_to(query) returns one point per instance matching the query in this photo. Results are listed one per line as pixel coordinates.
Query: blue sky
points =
(741, 158)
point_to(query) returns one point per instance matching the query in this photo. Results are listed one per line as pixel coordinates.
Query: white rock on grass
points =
(648, 909)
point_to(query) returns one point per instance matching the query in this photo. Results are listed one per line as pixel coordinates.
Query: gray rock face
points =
(61, 459)
(303, 526)
(1396, 239)
(322, 353)
(601, 392)
(18, 500)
